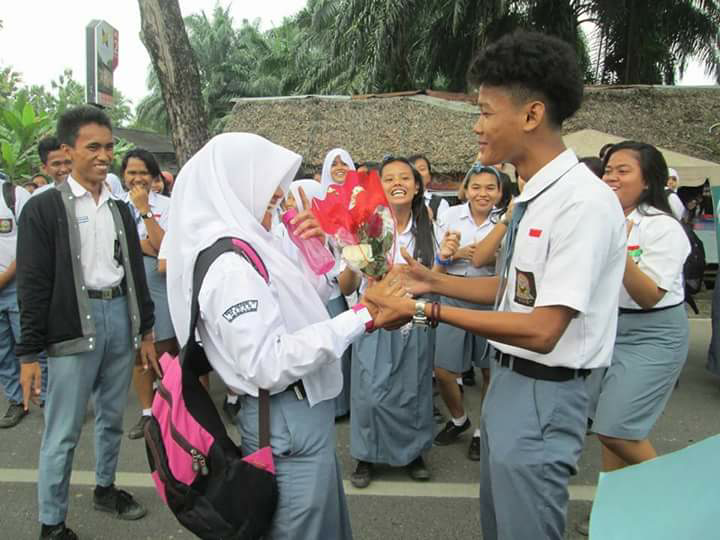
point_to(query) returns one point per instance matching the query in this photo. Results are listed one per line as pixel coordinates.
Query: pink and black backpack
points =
(198, 471)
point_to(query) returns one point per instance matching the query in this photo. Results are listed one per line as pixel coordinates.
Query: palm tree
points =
(649, 42)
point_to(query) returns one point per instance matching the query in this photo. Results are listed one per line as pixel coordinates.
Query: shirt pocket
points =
(528, 268)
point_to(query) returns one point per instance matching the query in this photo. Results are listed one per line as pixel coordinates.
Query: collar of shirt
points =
(637, 215)
(466, 213)
(79, 191)
(548, 174)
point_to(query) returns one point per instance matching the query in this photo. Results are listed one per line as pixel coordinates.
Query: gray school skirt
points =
(335, 307)
(650, 351)
(391, 419)
(311, 501)
(457, 350)
(158, 292)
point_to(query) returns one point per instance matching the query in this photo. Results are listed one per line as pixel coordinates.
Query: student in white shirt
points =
(652, 339)
(9, 311)
(437, 205)
(563, 262)
(456, 351)
(83, 297)
(151, 212)
(285, 342)
(676, 204)
(391, 416)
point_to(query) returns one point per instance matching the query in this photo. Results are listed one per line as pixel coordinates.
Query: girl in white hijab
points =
(275, 336)
(336, 165)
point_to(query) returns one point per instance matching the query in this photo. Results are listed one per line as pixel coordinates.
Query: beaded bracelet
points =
(435, 315)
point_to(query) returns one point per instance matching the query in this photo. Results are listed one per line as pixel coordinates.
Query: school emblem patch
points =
(241, 308)
(525, 292)
(6, 226)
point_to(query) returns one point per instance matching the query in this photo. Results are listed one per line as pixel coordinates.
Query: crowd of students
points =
(566, 291)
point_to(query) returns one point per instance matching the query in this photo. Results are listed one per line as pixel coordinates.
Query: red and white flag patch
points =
(535, 233)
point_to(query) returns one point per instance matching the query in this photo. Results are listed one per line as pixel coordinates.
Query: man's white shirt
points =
(569, 251)
(97, 237)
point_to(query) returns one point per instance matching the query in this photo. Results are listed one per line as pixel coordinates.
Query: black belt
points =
(625, 311)
(106, 294)
(299, 388)
(531, 369)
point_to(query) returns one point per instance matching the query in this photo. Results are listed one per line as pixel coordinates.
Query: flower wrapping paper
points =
(358, 216)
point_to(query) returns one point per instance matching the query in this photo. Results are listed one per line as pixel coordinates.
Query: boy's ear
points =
(534, 115)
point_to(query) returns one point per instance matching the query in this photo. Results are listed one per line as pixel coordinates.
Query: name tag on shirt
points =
(241, 308)
(6, 226)
(82, 219)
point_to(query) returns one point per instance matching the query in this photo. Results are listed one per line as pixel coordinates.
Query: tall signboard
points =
(102, 59)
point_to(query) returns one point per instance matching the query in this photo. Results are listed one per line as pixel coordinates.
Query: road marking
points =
(379, 488)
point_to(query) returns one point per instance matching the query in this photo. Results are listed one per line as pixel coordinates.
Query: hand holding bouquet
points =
(357, 215)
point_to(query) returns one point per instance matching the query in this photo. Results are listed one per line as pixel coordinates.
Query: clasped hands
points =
(450, 248)
(391, 300)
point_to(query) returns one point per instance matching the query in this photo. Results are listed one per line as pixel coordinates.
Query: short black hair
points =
(416, 157)
(72, 120)
(595, 165)
(46, 145)
(604, 150)
(146, 157)
(534, 64)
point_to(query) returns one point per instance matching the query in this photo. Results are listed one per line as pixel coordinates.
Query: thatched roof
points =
(439, 124)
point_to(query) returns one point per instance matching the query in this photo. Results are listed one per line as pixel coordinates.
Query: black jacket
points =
(51, 294)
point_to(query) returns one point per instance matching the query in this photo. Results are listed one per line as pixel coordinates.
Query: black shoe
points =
(118, 502)
(57, 532)
(231, 409)
(362, 475)
(474, 449)
(468, 378)
(437, 415)
(138, 430)
(450, 433)
(418, 471)
(15, 413)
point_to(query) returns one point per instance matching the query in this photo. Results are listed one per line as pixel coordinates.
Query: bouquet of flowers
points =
(357, 215)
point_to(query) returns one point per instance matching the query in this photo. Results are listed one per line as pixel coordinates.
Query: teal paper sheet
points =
(673, 497)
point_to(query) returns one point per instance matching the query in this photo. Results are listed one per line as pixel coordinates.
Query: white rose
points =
(353, 197)
(358, 256)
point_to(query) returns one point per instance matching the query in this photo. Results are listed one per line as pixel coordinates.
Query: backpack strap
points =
(435, 204)
(8, 192)
(202, 265)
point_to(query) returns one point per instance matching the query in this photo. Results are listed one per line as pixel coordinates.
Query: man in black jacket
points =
(84, 299)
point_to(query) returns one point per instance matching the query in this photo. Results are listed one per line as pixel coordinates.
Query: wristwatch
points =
(420, 319)
(147, 215)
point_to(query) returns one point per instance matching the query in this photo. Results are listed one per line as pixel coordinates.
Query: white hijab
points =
(224, 190)
(327, 178)
(312, 189)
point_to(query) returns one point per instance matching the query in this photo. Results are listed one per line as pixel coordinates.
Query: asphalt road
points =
(392, 507)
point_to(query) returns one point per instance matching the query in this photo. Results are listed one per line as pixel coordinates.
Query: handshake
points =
(391, 301)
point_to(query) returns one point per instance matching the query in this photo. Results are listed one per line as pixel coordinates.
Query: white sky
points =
(40, 38)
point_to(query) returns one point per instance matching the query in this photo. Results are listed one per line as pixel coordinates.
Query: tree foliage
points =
(364, 46)
(28, 113)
